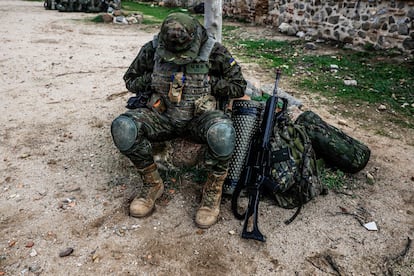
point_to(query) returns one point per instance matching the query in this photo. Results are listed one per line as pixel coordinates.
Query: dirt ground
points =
(64, 184)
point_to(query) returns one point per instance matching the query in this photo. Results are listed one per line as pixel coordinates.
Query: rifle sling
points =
(301, 185)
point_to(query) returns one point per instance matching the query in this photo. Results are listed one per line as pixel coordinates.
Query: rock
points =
(12, 243)
(29, 244)
(131, 20)
(252, 91)
(120, 20)
(117, 13)
(342, 122)
(334, 68)
(179, 152)
(350, 82)
(33, 253)
(107, 18)
(287, 29)
(283, 28)
(382, 107)
(310, 46)
(370, 178)
(135, 18)
(66, 252)
(300, 34)
(268, 89)
(187, 154)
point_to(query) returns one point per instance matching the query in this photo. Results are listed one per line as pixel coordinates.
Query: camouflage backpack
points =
(298, 175)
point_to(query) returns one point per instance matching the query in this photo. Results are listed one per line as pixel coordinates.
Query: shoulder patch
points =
(232, 62)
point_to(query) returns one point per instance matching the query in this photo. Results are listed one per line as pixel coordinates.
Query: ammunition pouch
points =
(176, 87)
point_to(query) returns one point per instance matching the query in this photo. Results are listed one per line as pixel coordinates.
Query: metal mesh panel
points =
(246, 120)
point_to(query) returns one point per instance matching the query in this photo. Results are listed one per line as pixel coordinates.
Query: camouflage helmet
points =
(178, 32)
(179, 38)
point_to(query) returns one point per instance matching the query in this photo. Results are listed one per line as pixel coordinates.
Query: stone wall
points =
(381, 24)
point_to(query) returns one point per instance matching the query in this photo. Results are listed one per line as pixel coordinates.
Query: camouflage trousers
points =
(153, 126)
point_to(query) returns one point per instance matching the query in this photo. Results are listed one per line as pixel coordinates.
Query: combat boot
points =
(209, 210)
(152, 188)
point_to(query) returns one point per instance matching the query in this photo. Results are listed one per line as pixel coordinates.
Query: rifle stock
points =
(256, 173)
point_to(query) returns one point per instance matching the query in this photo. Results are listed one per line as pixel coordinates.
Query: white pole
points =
(213, 18)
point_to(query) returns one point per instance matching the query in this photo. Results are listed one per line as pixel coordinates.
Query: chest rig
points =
(193, 77)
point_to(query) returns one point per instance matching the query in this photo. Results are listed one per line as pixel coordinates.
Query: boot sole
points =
(204, 226)
(143, 216)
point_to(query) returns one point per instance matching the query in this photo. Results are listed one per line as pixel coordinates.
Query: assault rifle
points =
(256, 174)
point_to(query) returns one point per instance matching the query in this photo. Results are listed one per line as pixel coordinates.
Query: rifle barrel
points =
(270, 113)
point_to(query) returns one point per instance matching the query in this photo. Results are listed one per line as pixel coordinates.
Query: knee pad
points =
(124, 132)
(221, 140)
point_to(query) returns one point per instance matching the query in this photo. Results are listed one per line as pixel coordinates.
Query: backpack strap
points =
(303, 148)
(306, 147)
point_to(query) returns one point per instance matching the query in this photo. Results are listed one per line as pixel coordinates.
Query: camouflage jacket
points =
(226, 78)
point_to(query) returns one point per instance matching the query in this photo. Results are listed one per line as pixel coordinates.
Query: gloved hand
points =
(139, 101)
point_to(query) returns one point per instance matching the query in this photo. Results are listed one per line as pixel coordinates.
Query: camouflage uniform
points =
(184, 72)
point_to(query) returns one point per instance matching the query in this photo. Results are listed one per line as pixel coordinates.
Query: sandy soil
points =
(64, 185)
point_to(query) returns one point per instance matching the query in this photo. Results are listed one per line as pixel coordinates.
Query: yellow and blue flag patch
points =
(232, 62)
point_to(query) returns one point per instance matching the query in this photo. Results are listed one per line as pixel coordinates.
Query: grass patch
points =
(226, 29)
(268, 53)
(97, 19)
(333, 180)
(152, 14)
(380, 79)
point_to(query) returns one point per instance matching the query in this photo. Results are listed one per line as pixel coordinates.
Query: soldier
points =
(178, 77)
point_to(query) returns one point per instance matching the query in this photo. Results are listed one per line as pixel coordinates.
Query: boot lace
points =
(210, 196)
(145, 189)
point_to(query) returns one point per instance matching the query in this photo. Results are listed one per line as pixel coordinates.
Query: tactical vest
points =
(196, 81)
